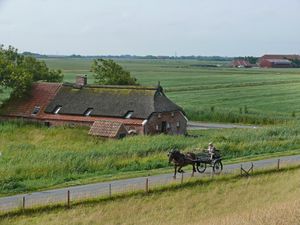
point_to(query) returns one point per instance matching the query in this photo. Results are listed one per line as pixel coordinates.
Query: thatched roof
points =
(111, 101)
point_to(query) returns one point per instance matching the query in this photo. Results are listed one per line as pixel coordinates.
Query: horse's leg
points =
(175, 171)
(180, 170)
(194, 170)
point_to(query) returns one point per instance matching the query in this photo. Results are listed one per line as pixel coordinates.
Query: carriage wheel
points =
(201, 167)
(217, 167)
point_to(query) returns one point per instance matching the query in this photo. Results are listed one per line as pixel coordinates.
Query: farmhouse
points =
(109, 111)
(276, 63)
(279, 61)
(241, 63)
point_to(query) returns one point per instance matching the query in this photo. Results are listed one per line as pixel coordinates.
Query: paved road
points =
(118, 186)
(203, 126)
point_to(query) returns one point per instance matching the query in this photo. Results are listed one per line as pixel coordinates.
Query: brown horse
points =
(180, 160)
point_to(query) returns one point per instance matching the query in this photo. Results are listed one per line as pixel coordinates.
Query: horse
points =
(180, 160)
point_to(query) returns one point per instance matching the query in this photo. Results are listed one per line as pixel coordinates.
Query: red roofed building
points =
(289, 57)
(241, 63)
(140, 110)
(108, 128)
(278, 61)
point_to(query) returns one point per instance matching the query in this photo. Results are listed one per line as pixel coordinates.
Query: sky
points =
(152, 27)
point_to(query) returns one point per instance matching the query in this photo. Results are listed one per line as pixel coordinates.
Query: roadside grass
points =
(53, 157)
(268, 197)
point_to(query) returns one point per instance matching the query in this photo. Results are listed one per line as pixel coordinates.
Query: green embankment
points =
(270, 198)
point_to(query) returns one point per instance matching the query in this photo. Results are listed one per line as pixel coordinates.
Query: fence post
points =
(109, 190)
(241, 170)
(278, 164)
(23, 202)
(68, 199)
(181, 178)
(147, 185)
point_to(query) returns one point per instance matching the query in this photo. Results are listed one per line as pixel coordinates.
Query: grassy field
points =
(268, 199)
(222, 94)
(256, 96)
(36, 157)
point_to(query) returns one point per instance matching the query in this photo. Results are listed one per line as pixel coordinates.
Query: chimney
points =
(81, 80)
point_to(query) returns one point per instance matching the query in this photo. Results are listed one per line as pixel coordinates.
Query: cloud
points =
(211, 27)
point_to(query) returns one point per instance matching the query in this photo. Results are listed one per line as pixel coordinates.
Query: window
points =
(157, 127)
(57, 109)
(128, 114)
(178, 124)
(159, 115)
(36, 110)
(168, 126)
(172, 114)
(158, 93)
(88, 112)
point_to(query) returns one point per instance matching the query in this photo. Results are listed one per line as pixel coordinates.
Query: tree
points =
(18, 72)
(109, 72)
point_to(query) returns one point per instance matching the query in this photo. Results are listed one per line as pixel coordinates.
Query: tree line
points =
(19, 71)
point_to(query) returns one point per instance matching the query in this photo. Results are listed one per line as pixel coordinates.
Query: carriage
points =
(199, 161)
(203, 160)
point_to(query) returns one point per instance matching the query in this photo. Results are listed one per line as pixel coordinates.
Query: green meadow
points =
(222, 94)
(35, 157)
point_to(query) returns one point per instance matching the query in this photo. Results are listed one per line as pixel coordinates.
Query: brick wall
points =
(167, 122)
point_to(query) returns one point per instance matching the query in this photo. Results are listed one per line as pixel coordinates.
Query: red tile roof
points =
(105, 128)
(290, 57)
(241, 63)
(41, 94)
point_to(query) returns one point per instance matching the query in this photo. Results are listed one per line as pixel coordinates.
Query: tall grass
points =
(237, 116)
(35, 157)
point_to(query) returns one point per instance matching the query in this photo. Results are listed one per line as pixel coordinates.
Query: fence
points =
(109, 189)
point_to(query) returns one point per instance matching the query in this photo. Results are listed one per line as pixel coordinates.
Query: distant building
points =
(278, 61)
(241, 63)
(110, 111)
(288, 57)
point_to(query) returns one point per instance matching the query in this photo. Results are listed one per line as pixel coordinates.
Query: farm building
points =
(109, 111)
(279, 61)
(241, 63)
(276, 63)
(288, 57)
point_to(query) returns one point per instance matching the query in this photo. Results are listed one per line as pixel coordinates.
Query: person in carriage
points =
(211, 150)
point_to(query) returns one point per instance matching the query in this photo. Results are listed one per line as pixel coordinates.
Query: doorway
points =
(164, 127)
